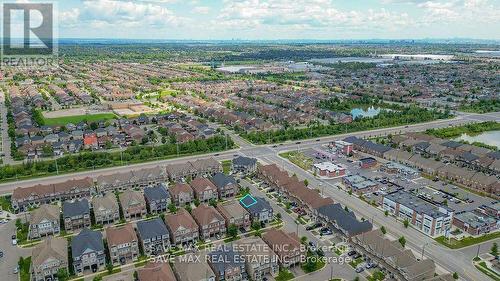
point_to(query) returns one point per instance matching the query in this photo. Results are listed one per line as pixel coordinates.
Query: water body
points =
(369, 112)
(489, 138)
(351, 59)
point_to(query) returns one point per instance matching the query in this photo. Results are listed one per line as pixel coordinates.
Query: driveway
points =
(11, 253)
(339, 270)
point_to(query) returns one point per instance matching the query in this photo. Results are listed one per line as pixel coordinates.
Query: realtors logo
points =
(28, 34)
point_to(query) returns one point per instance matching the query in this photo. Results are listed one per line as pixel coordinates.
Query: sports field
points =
(78, 118)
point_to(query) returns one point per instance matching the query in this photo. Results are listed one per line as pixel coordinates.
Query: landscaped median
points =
(453, 243)
(482, 266)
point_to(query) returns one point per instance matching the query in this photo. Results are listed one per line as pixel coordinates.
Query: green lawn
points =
(467, 241)
(78, 118)
(284, 275)
(313, 263)
(5, 203)
(356, 262)
(484, 269)
(377, 275)
(24, 269)
(226, 166)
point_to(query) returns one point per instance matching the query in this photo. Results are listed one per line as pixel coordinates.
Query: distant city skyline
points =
(278, 19)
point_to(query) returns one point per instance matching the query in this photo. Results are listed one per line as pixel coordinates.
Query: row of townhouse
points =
(390, 255)
(32, 196)
(478, 180)
(464, 155)
(321, 209)
(219, 186)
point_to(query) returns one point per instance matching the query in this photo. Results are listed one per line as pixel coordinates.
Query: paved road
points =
(344, 271)
(451, 260)
(11, 253)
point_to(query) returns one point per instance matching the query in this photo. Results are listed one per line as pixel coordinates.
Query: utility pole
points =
(423, 249)
(57, 168)
(478, 247)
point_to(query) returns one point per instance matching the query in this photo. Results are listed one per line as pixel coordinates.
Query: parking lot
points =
(438, 191)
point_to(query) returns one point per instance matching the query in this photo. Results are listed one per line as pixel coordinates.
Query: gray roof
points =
(474, 219)
(451, 144)
(225, 258)
(221, 180)
(156, 193)
(86, 239)
(467, 156)
(151, 228)
(494, 154)
(76, 208)
(418, 204)
(345, 220)
(244, 161)
(260, 205)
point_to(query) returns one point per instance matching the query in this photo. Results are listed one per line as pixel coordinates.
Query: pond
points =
(489, 138)
(369, 112)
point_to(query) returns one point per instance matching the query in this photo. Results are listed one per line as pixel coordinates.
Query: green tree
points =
(232, 230)
(62, 274)
(384, 231)
(406, 223)
(402, 241)
(306, 182)
(386, 213)
(455, 275)
(494, 249)
(172, 208)
(213, 202)
(197, 202)
(109, 267)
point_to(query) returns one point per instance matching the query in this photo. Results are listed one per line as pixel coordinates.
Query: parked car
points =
(16, 270)
(312, 246)
(326, 231)
(351, 253)
(360, 269)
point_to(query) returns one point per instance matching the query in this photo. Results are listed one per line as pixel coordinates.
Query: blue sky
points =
(279, 19)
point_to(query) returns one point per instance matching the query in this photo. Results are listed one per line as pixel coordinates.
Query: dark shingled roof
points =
(255, 207)
(86, 239)
(156, 193)
(76, 208)
(345, 220)
(451, 144)
(244, 161)
(151, 228)
(221, 180)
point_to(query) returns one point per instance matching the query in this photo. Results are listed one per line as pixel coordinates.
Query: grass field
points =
(78, 118)
(467, 241)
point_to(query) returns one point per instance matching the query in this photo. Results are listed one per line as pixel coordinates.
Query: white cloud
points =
(248, 14)
(204, 10)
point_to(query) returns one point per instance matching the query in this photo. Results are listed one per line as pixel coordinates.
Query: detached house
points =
(76, 214)
(157, 198)
(48, 257)
(153, 236)
(226, 185)
(106, 210)
(44, 221)
(286, 246)
(244, 165)
(260, 210)
(154, 271)
(122, 244)
(204, 189)
(133, 204)
(210, 222)
(87, 250)
(235, 214)
(182, 227)
(181, 194)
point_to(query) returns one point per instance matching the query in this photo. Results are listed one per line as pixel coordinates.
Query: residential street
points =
(452, 260)
(339, 270)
